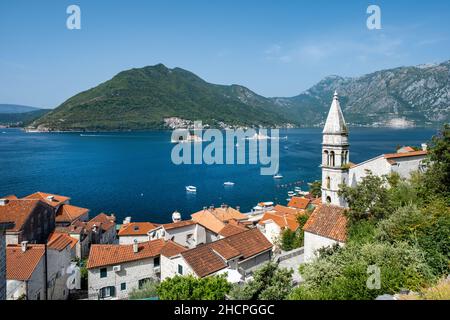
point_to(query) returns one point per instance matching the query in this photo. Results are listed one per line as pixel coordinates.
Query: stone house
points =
(326, 227)
(102, 229)
(68, 214)
(244, 251)
(3, 226)
(115, 270)
(25, 271)
(33, 220)
(60, 252)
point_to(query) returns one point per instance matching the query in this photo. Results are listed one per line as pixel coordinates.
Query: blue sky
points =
(275, 48)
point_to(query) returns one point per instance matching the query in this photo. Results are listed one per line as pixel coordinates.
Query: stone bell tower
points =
(335, 155)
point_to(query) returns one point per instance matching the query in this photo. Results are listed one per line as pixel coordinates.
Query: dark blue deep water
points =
(131, 174)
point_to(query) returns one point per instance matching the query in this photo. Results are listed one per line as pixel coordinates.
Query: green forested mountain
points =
(142, 98)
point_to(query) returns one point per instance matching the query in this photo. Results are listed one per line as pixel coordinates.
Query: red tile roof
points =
(21, 265)
(136, 228)
(102, 221)
(404, 154)
(179, 224)
(54, 202)
(171, 249)
(112, 254)
(69, 213)
(59, 241)
(328, 221)
(207, 259)
(282, 220)
(299, 202)
(214, 219)
(203, 260)
(19, 211)
(231, 229)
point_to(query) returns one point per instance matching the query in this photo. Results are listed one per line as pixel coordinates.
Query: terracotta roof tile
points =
(21, 265)
(179, 224)
(207, 259)
(102, 221)
(203, 260)
(299, 202)
(231, 229)
(69, 213)
(18, 211)
(59, 241)
(112, 254)
(171, 249)
(136, 228)
(404, 154)
(207, 219)
(54, 202)
(328, 221)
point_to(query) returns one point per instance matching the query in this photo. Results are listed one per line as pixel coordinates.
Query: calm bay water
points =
(131, 174)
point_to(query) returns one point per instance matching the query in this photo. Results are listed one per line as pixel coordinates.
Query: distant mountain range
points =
(143, 98)
(18, 115)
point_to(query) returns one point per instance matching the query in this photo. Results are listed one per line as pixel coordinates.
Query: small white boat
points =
(288, 199)
(278, 176)
(191, 189)
(297, 189)
(291, 193)
(228, 183)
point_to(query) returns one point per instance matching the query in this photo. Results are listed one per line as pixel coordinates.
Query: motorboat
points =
(191, 189)
(278, 176)
(228, 184)
(291, 193)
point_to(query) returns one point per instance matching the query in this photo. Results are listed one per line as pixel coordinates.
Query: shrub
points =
(148, 290)
(192, 288)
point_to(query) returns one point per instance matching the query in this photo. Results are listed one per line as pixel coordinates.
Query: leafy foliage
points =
(192, 288)
(269, 283)
(402, 227)
(148, 290)
(315, 188)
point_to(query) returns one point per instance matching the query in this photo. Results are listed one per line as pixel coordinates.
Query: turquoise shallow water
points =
(131, 174)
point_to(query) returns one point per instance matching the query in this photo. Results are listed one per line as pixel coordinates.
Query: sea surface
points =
(131, 173)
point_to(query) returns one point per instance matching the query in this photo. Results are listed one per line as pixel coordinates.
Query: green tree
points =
(315, 188)
(192, 288)
(437, 177)
(344, 274)
(269, 283)
(369, 199)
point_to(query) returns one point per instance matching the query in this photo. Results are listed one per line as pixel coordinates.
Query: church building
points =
(327, 225)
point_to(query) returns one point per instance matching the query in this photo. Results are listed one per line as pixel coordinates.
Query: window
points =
(332, 158)
(156, 262)
(328, 200)
(107, 292)
(327, 158)
(328, 182)
(143, 281)
(103, 273)
(180, 269)
(189, 238)
(123, 286)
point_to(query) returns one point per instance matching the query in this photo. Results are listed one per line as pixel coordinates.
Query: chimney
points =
(238, 208)
(127, 220)
(211, 208)
(113, 217)
(176, 216)
(424, 147)
(204, 208)
(24, 245)
(50, 198)
(3, 202)
(135, 246)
